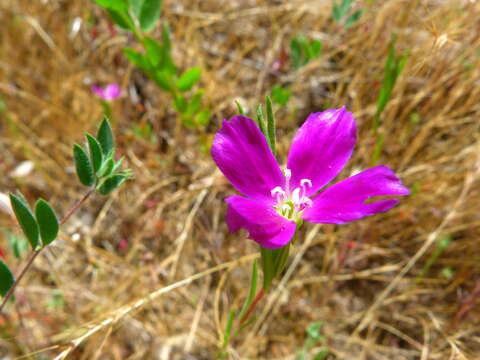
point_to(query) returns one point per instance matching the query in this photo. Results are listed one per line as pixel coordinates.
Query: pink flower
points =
(276, 202)
(110, 92)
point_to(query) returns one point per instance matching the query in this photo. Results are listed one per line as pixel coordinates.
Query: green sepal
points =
(240, 108)
(83, 166)
(26, 220)
(6, 279)
(261, 120)
(111, 183)
(95, 152)
(268, 266)
(270, 125)
(47, 221)
(105, 136)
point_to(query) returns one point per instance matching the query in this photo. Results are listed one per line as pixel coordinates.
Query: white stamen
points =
(288, 173)
(279, 194)
(296, 196)
(306, 181)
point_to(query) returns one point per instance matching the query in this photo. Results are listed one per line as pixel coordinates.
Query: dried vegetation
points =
(116, 258)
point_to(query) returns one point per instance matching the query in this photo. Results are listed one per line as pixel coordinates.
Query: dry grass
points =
(117, 303)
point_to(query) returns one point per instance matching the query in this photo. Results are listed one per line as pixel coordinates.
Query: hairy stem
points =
(37, 252)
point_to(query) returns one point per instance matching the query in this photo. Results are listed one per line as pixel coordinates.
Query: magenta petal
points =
(241, 152)
(321, 147)
(98, 90)
(263, 223)
(345, 201)
(112, 91)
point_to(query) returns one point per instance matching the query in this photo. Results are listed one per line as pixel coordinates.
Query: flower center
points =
(291, 203)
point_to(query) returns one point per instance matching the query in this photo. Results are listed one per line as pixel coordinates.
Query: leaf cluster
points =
(304, 50)
(341, 13)
(156, 61)
(97, 166)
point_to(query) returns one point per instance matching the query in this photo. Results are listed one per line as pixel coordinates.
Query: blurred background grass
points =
(400, 285)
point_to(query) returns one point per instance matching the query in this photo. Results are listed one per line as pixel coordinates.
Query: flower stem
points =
(254, 303)
(37, 252)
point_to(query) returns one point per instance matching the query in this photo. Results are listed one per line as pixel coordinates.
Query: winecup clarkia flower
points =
(277, 202)
(110, 92)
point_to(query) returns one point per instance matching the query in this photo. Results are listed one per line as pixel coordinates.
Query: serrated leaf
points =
(83, 166)
(95, 152)
(149, 14)
(188, 79)
(111, 183)
(47, 221)
(26, 220)
(105, 136)
(6, 278)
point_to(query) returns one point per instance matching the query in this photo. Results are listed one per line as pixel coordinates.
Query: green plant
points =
(303, 50)
(341, 13)
(156, 61)
(96, 169)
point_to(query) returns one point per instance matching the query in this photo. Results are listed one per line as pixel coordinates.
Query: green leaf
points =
(240, 108)
(163, 80)
(149, 14)
(136, 6)
(166, 38)
(47, 221)
(295, 53)
(105, 136)
(229, 327)
(195, 104)
(122, 19)
(83, 165)
(321, 355)
(155, 51)
(270, 125)
(314, 331)
(106, 168)
(251, 291)
(261, 120)
(316, 48)
(281, 95)
(138, 59)
(111, 183)
(118, 5)
(352, 19)
(19, 244)
(6, 279)
(26, 220)
(188, 79)
(202, 118)
(179, 103)
(95, 152)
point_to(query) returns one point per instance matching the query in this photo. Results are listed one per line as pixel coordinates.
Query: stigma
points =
(290, 203)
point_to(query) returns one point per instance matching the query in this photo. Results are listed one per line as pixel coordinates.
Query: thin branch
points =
(37, 252)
